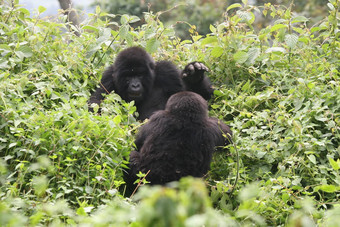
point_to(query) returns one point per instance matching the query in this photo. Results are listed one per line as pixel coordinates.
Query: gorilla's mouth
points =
(135, 95)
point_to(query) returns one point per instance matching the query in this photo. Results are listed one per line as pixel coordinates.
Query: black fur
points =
(135, 76)
(178, 141)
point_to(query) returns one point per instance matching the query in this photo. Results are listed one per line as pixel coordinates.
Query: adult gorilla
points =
(178, 141)
(135, 76)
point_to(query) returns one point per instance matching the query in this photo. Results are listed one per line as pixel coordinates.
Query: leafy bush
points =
(179, 14)
(278, 88)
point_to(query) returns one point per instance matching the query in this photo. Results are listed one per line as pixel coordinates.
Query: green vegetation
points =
(201, 14)
(278, 88)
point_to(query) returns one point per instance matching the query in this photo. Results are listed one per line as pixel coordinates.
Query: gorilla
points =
(176, 142)
(136, 77)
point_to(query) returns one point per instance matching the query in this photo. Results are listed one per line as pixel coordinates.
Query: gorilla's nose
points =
(135, 86)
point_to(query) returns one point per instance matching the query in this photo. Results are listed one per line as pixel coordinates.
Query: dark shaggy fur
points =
(135, 76)
(178, 141)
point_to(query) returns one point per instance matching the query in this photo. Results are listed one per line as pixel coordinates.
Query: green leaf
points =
(152, 45)
(4, 64)
(291, 40)
(335, 164)
(253, 53)
(208, 40)
(285, 197)
(321, 118)
(12, 145)
(89, 27)
(217, 51)
(117, 119)
(41, 9)
(246, 86)
(327, 188)
(25, 11)
(277, 27)
(40, 184)
(26, 51)
(123, 32)
(299, 19)
(124, 19)
(97, 9)
(246, 16)
(81, 211)
(169, 32)
(233, 6)
(240, 57)
(134, 19)
(212, 28)
(330, 6)
(276, 49)
(312, 159)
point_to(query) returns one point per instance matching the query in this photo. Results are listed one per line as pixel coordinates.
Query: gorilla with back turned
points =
(178, 141)
(136, 77)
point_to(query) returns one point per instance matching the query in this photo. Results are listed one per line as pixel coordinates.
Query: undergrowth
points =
(278, 89)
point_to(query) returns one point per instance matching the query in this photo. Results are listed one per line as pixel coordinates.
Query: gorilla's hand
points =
(194, 72)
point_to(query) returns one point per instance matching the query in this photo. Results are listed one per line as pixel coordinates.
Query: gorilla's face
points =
(135, 88)
(134, 74)
(135, 83)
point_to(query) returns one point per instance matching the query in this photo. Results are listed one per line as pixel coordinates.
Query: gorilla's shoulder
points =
(168, 77)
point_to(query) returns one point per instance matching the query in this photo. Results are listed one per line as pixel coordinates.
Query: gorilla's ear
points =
(152, 65)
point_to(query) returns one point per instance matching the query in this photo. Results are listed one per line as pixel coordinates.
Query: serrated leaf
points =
(12, 145)
(124, 19)
(253, 54)
(24, 11)
(5, 47)
(299, 19)
(280, 21)
(233, 6)
(217, 51)
(41, 9)
(312, 158)
(26, 51)
(246, 86)
(246, 16)
(327, 188)
(335, 165)
(4, 64)
(275, 49)
(277, 27)
(117, 119)
(285, 197)
(169, 32)
(291, 40)
(298, 102)
(123, 31)
(321, 118)
(152, 45)
(150, 33)
(316, 29)
(81, 211)
(240, 57)
(212, 28)
(97, 10)
(330, 6)
(208, 40)
(89, 27)
(134, 19)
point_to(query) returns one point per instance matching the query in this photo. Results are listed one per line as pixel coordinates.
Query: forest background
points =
(275, 68)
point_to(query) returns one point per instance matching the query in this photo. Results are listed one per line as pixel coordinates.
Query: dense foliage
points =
(201, 14)
(278, 88)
